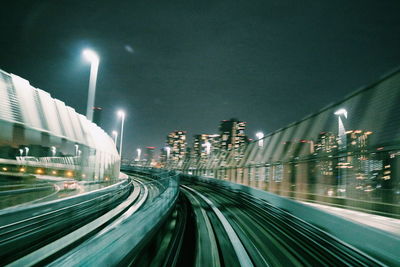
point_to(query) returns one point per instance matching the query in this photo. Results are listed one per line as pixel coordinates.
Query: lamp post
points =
(260, 136)
(115, 135)
(53, 151)
(341, 129)
(76, 149)
(94, 66)
(207, 146)
(122, 115)
(342, 140)
(168, 149)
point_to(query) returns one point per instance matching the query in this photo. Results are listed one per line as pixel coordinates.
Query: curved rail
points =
(241, 253)
(118, 243)
(272, 236)
(53, 248)
(37, 226)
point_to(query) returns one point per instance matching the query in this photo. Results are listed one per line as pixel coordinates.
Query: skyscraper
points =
(206, 144)
(232, 134)
(176, 141)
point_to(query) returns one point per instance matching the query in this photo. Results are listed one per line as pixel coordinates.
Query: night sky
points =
(186, 65)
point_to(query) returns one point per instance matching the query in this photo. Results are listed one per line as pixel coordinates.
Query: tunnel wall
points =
(41, 135)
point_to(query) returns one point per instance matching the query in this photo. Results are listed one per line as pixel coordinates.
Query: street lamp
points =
(341, 111)
(260, 136)
(53, 151)
(341, 128)
(342, 140)
(115, 135)
(168, 149)
(207, 145)
(122, 115)
(76, 149)
(92, 57)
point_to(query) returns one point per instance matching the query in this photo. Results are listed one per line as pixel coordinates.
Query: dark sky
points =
(189, 64)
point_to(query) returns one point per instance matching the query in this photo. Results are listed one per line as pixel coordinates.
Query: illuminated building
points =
(176, 141)
(232, 134)
(326, 143)
(206, 144)
(325, 147)
(357, 140)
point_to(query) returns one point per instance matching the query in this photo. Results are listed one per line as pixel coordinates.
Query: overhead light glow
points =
(121, 113)
(90, 56)
(341, 111)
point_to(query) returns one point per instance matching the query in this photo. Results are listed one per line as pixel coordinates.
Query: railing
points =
(347, 154)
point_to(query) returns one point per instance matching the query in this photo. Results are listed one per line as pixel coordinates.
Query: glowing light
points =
(53, 151)
(54, 172)
(39, 171)
(168, 149)
(90, 56)
(121, 113)
(260, 136)
(115, 135)
(4, 169)
(22, 169)
(341, 111)
(208, 147)
(69, 173)
(83, 175)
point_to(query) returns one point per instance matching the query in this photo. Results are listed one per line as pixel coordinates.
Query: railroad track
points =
(38, 233)
(265, 235)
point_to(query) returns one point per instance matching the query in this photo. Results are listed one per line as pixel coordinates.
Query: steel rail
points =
(243, 257)
(52, 248)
